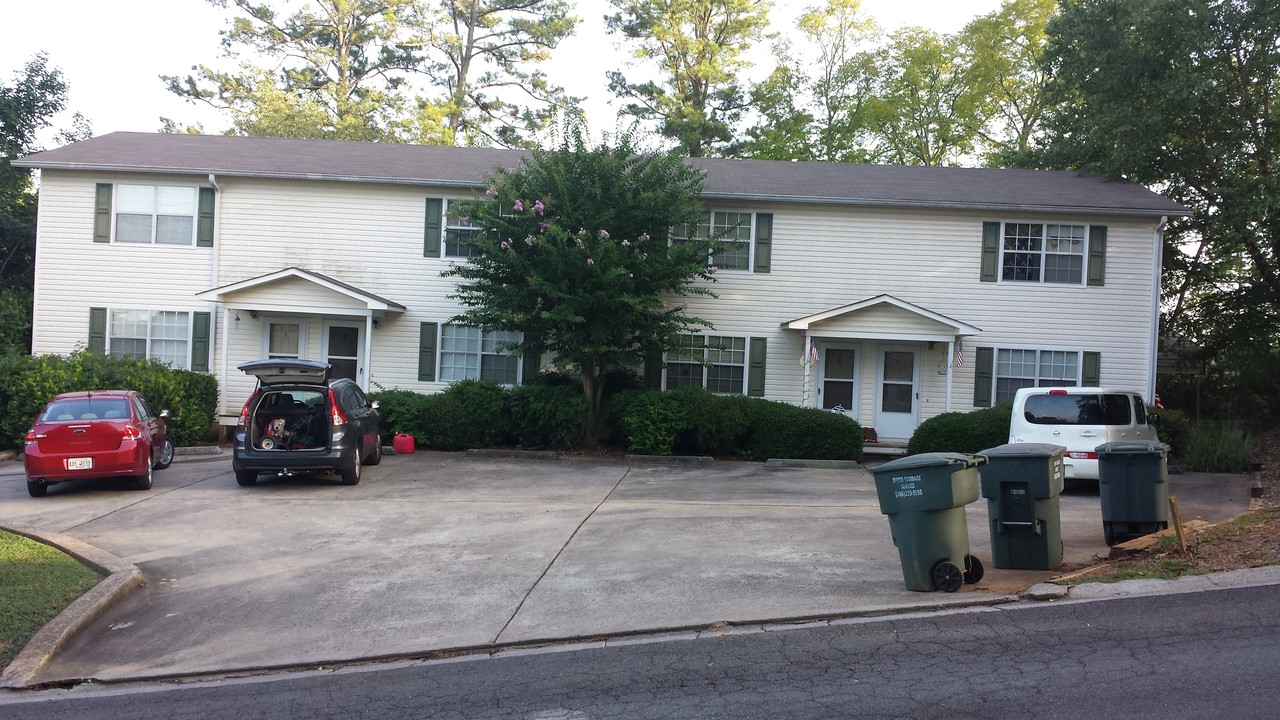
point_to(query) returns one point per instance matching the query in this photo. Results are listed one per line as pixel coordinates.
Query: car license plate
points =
(80, 463)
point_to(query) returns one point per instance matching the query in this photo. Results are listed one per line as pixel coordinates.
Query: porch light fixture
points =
(253, 314)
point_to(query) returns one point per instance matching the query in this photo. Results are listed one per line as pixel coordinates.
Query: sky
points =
(112, 53)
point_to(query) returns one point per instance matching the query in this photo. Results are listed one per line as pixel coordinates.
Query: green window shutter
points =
(653, 371)
(1091, 375)
(1097, 254)
(433, 231)
(427, 351)
(532, 364)
(990, 251)
(755, 367)
(98, 330)
(200, 325)
(764, 242)
(102, 214)
(983, 377)
(204, 222)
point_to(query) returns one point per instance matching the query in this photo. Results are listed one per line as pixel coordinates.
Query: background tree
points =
(1007, 47)
(1184, 95)
(698, 46)
(482, 48)
(342, 66)
(579, 259)
(27, 106)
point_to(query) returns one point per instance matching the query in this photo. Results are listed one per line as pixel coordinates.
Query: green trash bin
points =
(1022, 482)
(1133, 483)
(924, 496)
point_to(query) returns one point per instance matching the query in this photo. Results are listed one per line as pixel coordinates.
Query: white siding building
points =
(888, 293)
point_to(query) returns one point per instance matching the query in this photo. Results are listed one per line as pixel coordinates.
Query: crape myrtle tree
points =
(578, 258)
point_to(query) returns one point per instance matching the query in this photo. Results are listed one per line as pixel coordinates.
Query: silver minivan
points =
(1079, 419)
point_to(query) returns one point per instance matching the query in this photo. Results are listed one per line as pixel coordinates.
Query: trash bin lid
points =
(1132, 447)
(923, 460)
(1022, 450)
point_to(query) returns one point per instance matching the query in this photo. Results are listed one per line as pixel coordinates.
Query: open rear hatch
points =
(287, 371)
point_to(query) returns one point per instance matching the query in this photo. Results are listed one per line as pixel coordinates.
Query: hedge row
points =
(27, 383)
(472, 414)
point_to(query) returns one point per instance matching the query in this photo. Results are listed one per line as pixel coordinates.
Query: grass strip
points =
(36, 583)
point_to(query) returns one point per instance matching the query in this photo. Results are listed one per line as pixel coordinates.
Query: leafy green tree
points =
(1184, 95)
(698, 46)
(927, 106)
(1007, 47)
(579, 262)
(843, 82)
(481, 50)
(27, 106)
(342, 66)
(784, 130)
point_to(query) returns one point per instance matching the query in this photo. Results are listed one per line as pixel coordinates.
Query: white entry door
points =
(897, 392)
(838, 379)
(344, 349)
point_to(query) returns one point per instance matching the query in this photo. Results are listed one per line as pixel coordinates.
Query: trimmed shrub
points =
(959, 432)
(714, 424)
(546, 415)
(27, 383)
(780, 430)
(401, 411)
(1172, 427)
(652, 421)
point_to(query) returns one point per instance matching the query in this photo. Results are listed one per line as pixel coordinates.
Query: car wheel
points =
(143, 482)
(351, 475)
(247, 477)
(37, 489)
(376, 457)
(166, 455)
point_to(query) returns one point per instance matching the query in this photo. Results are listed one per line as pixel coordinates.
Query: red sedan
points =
(102, 433)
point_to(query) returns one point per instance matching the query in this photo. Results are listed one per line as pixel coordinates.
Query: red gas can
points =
(403, 444)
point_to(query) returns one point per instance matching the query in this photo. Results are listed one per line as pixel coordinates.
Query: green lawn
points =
(36, 583)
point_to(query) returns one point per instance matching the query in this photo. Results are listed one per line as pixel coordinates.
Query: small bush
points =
(1173, 427)
(402, 411)
(714, 424)
(1218, 447)
(546, 415)
(652, 421)
(959, 432)
(780, 430)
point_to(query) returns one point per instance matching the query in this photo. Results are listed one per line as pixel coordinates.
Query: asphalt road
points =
(1210, 654)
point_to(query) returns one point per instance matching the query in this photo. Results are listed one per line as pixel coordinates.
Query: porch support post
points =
(222, 361)
(951, 363)
(368, 351)
(807, 399)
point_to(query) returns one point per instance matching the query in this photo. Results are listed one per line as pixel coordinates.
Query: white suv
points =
(1079, 419)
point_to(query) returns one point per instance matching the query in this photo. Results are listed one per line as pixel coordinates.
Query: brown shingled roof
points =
(741, 180)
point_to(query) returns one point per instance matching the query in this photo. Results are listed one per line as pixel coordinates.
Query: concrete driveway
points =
(437, 552)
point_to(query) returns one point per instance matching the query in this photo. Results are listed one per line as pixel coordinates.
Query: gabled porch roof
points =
(883, 317)
(329, 295)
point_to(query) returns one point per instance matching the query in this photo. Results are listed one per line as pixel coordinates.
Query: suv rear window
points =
(1074, 409)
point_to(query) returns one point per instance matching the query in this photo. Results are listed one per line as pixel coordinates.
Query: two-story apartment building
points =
(888, 293)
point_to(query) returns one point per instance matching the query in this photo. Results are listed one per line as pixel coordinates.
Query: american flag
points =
(959, 353)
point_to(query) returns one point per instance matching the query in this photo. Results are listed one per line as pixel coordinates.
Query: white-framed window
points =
(285, 338)
(1017, 369)
(156, 214)
(163, 335)
(459, 232)
(1043, 253)
(715, 362)
(733, 233)
(470, 353)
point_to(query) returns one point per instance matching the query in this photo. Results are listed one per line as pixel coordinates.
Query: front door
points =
(344, 350)
(838, 379)
(897, 392)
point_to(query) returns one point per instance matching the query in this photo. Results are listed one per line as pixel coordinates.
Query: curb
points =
(819, 464)
(121, 577)
(500, 454)
(670, 459)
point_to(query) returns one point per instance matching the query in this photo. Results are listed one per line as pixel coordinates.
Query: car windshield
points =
(112, 408)
(1073, 409)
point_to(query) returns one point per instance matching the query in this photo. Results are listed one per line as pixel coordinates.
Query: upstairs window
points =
(732, 233)
(1043, 253)
(459, 233)
(156, 214)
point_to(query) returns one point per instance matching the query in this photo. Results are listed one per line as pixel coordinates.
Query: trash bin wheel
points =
(947, 576)
(972, 570)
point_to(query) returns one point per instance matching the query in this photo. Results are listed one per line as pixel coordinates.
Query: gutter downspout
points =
(213, 283)
(1157, 271)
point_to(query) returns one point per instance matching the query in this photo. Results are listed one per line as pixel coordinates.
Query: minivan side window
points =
(1139, 410)
(1117, 407)
(1076, 409)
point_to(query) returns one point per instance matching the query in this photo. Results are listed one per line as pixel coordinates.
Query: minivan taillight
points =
(244, 411)
(337, 416)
